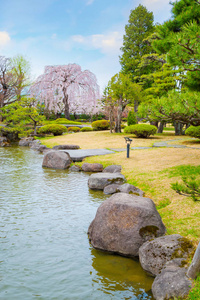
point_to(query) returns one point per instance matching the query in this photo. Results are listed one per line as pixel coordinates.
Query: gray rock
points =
(35, 144)
(155, 254)
(194, 268)
(99, 180)
(123, 188)
(113, 169)
(171, 283)
(95, 167)
(4, 142)
(119, 222)
(75, 168)
(26, 141)
(43, 148)
(56, 160)
(111, 189)
(64, 147)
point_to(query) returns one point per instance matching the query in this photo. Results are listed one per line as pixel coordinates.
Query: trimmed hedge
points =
(100, 125)
(73, 129)
(141, 130)
(193, 131)
(84, 129)
(56, 129)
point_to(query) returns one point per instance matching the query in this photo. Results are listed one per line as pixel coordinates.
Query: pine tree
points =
(134, 46)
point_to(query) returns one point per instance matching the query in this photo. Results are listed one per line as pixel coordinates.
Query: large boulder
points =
(99, 180)
(64, 147)
(56, 160)
(123, 188)
(155, 254)
(113, 169)
(95, 167)
(123, 223)
(171, 283)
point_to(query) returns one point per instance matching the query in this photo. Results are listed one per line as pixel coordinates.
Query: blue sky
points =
(59, 32)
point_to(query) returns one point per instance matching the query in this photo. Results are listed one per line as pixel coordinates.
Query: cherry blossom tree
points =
(66, 88)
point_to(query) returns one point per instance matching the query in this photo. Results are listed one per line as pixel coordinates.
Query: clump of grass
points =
(163, 204)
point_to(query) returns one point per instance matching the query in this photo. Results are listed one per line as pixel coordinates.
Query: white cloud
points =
(4, 38)
(89, 2)
(106, 43)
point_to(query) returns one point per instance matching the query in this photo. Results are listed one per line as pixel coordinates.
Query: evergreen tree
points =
(179, 38)
(134, 45)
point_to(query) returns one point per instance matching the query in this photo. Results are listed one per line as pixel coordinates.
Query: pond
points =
(45, 252)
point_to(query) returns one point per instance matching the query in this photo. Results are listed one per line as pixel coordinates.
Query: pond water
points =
(44, 251)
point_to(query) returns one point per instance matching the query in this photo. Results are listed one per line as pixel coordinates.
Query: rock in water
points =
(64, 147)
(113, 169)
(99, 180)
(156, 253)
(56, 160)
(171, 283)
(123, 223)
(95, 167)
(123, 188)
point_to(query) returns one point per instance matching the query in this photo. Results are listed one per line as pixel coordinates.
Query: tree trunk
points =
(178, 128)
(35, 128)
(119, 117)
(161, 126)
(135, 106)
(155, 123)
(111, 119)
(66, 103)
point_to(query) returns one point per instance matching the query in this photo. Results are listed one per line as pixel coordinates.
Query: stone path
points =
(79, 155)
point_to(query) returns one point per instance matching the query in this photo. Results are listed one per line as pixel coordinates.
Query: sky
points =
(59, 32)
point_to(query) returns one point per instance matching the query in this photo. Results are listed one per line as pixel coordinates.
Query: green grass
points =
(182, 170)
(195, 291)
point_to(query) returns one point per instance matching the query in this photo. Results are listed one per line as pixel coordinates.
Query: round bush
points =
(84, 129)
(193, 131)
(56, 129)
(141, 130)
(100, 125)
(66, 121)
(73, 129)
(131, 120)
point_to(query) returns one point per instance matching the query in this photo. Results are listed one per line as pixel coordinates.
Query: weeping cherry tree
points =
(66, 88)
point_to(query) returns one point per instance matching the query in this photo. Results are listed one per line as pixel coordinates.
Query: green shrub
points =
(81, 120)
(56, 129)
(141, 130)
(193, 131)
(124, 119)
(84, 129)
(73, 129)
(131, 120)
(66, 121)
(100, 125)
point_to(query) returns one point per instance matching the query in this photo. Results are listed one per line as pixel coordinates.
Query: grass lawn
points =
(152, 170)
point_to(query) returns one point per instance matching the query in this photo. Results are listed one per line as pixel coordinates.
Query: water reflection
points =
(116, 274)
(45, 253)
